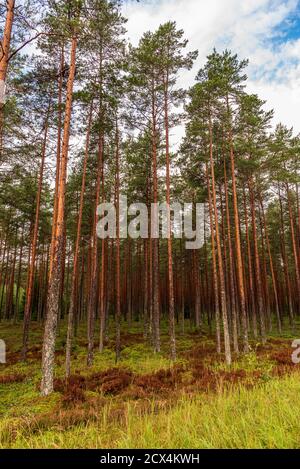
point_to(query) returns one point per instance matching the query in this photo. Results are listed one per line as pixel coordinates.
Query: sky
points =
(267, 32)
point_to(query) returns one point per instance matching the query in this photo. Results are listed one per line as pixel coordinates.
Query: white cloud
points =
(245, 27)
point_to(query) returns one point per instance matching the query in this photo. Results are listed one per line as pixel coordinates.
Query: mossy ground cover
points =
(147, 401)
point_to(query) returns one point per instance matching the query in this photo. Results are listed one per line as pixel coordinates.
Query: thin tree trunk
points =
(250, 272)
(219, 253)
(58, 155)
(155, 244)
(10, 294)
(4, 58)
(28, 302)
(118, 273)
(285, 263)
(239, 262)
(102, 276)
(74, 281)
(257, 263)
(16, 314)
(94, 257)
(294, 244)
(169, 234)
(271, 267)
(231, 271)
(214, 265)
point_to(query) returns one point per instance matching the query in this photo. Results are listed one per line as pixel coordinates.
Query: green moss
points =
(263, 417)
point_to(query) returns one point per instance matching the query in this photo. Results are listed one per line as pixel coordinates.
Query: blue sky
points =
(289, 28)
(267, 32)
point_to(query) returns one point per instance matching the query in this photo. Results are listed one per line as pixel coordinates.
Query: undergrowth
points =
(145, 401)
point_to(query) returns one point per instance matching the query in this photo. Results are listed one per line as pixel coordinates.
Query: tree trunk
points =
(169, 234)
(16, 314)
(214, 265)
(285, 264)
(250, 271)
(74, 281)
(155, 244)
(28, 302)
(294, 244)
(219, 253)
(4, 58)
(102, 277)
(94, 257)
(271, 267)
(257, 264)
(239, 262)
(58, 155)
(231, 271)
(118, 273)
(57, 240)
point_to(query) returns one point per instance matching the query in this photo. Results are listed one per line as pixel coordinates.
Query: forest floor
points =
(147, 402)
